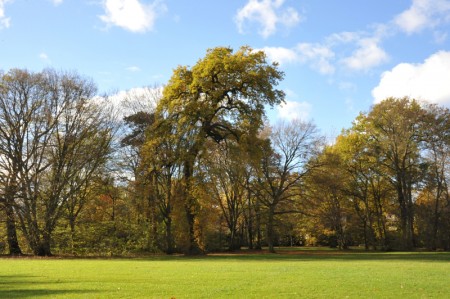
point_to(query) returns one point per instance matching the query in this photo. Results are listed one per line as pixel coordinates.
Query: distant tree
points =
(364, 186)
(434, 201)
(131, 162)
(327, 201)
(225, 177)
(396, 127)
(283, 165)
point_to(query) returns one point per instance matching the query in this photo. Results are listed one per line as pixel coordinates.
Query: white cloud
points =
(57, 2)
(44, 57)
(317, 56)
(294, 110)
(133, 69)
(368, 55)
(323, 57)
(280, 54)
(4, 21)
(347, 86)
(132, 15)
(342, 37)
(426, 81)
(423, 14)
(440, 37)
(267, 14)
(127, 102)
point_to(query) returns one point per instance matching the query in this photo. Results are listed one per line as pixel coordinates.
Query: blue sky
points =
(339, 56)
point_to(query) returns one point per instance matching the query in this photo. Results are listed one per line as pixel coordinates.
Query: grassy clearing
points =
(289, 274)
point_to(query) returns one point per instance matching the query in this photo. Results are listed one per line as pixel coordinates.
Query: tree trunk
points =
(404, 218)
(169, 239)
(434, 242)
(13, 243)
(270, 229)
(366, 243)
(258, 245)
(190, 207)
(43, 248)
(250, 226)
(194, 248)
(72, 234)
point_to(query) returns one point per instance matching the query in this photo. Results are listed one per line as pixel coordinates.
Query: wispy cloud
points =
(326, 57)
(317, 56)
(423, 14)
(424, 81)
(132, 15)
(133, 69)
(57, 2)
(5, 22)
(294, 110)
(44, 57)
(267, 14)
(366, 46)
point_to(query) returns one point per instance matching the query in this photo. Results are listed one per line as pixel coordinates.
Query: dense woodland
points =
(194, 167)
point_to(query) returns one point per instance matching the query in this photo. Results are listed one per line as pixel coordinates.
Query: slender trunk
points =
(270, 229)
(258, 227)
(249, 224)
(169, 238)
(381, 223)
(436, 213)
(366, 243)
(154, 221)
(232, 244)
(72, 234)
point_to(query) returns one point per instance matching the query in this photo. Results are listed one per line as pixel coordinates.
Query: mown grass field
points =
(298, 273)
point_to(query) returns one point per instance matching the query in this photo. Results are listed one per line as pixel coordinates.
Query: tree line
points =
(195, 167)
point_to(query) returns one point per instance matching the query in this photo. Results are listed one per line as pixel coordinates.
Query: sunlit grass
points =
(289, 274)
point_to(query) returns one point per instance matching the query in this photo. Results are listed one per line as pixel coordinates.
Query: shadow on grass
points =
(308, 254)
(285, 254)
(330, 255)
(13, 286)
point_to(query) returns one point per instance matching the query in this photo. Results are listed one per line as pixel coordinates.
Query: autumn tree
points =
(283, 165)
(225, 177)
(396, 127)
(364, 186)
(221, 97)
(434, 201)
(326, 201)
(54, 138)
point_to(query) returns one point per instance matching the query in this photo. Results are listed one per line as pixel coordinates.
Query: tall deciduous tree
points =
(221, 97)
(284, 164)
(436, 198)
(225, 174)
(54, 138)
(396, 127)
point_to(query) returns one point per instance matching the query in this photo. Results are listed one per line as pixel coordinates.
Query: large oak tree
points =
(222, 97)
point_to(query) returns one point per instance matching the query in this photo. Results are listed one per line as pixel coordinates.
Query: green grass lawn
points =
(288, 274)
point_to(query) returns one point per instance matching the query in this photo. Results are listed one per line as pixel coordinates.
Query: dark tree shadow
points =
(12, 286)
